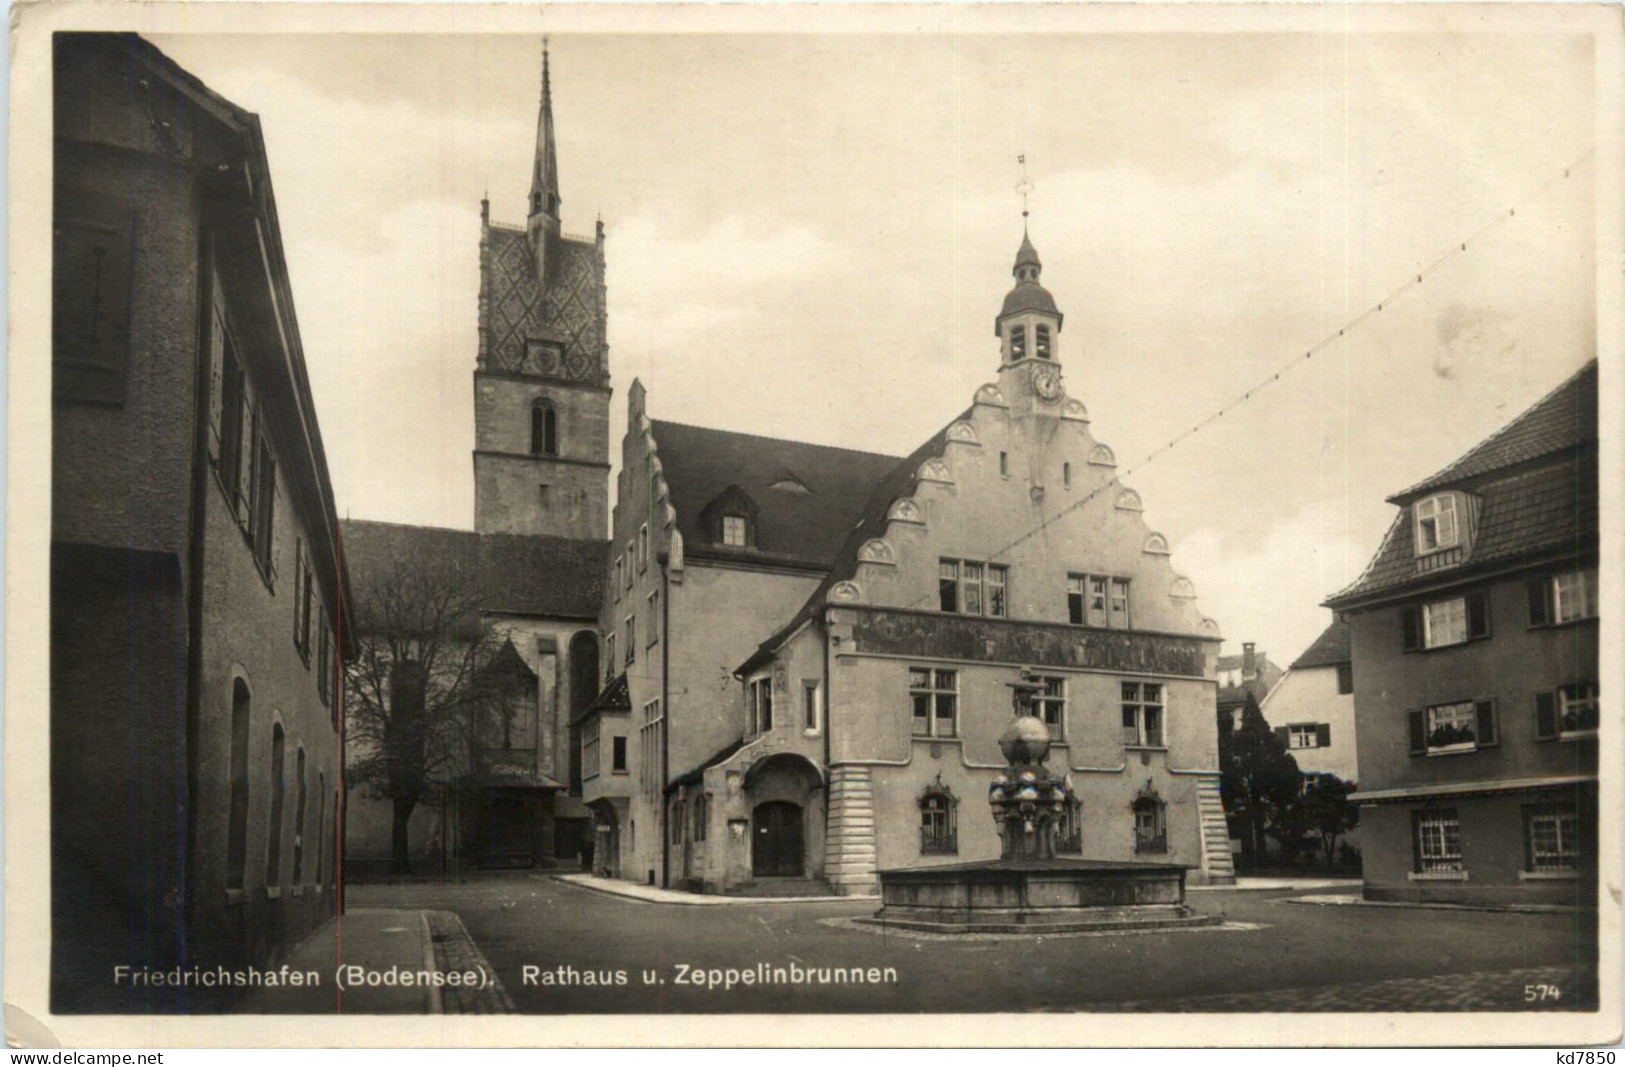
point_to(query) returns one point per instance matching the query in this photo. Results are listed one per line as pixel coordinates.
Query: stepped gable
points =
(699, 464)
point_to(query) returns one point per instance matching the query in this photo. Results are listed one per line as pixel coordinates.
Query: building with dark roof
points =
(197, 597)
(1311, 708)
(805, 643)
(1476, 622)
(536, 556)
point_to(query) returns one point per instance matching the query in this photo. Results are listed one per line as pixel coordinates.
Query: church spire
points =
(544, 178)
(542, 225)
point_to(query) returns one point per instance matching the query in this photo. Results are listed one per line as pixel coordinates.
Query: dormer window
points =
(1018, 343)
(730, 518)
(1436, 523)
(544, 429)
(1041, 341)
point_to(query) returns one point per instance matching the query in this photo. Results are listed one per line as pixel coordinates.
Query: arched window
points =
(1018, 343)
(321, 825)
(700, 816)
(273, 848)
(544, 429)
(237, 822)
(1041, 341)
(1150, 821)
(939, 819)
(299, 820)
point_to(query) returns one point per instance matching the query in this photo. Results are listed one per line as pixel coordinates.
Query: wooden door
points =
(776, 850)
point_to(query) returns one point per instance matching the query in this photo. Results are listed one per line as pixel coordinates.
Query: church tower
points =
(541, 385)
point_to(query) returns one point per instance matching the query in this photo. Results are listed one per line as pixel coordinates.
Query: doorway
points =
(776, 847)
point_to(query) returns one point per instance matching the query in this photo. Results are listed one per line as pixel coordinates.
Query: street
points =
(1271, 954)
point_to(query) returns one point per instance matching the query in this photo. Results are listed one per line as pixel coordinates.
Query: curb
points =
(1328, 901)
(452, 948)
(691, 900)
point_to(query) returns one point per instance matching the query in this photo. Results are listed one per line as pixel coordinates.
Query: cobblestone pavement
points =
(454, 950)
(1482, 991)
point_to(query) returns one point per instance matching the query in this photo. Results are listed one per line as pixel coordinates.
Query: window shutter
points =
(1416, 837)
(1284, 735)
(1545, 716)
(1419, 738)
(1488, 735)
(1528, 840)
(1323, 735)
(1478, 615)
(217, 382)
(245, 456)
(1539, 609)
(1410, 619)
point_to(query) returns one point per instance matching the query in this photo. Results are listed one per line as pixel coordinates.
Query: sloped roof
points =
(516, 574)
(697, 774)
(1328, 650)
(616, 696)
(1562, 421)
(898, 482)
(700, 463)
(1028, 296)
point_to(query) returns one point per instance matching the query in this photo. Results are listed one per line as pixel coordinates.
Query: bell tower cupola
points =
(542, 223)
(1029, 324)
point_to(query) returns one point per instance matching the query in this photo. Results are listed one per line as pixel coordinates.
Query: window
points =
(631, 554)
(735, 530)
(237, 822)
(542, 497)
(631, 638)
(676, 822)
(299, 819)
(1460, 726)
(617, 755)
(1066, 475)
(1097, 600)
(654, 617)
(544, 429)
(273, 848)
(234, 423)
(1444, 623)
(1436, 841)
(701, 816)
(321, 825)
(651, 738)
(91, 291)
(939, 820)
(934, 699)
(1050, 706)
(1069, 834)
(1569, 711)
(1551, 837)
(1142, 714)
(759, 706)
(609, 655)
(973, 588)
(324, 661)
(1567, 596)
(1150, 823)
(620, 576)
(1345, 678)
(1436, 526)
(1004, 464)
(1018, 343)
(1304, 735)
(262, 518)
(809, 706)
(643, 548)
(301, 600)
(589, 748)
(1041, 341)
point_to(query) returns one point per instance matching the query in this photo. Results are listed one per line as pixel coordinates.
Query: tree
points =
(1259, 780)
(416, 700)
(1327, 811)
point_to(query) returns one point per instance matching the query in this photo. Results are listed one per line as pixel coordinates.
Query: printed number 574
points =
(1533, 993)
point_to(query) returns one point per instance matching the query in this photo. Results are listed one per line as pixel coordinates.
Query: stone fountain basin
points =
(1036, 895)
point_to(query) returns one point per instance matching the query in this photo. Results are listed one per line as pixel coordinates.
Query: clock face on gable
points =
(1046, 379)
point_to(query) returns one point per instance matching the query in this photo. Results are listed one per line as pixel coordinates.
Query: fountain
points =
(1029, 889)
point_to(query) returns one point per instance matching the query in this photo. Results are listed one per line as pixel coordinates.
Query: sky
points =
(808, 236)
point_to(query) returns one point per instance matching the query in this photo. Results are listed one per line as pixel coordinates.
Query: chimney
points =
(1249, 665)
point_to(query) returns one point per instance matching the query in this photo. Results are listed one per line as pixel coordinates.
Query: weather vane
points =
(1024, 186)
